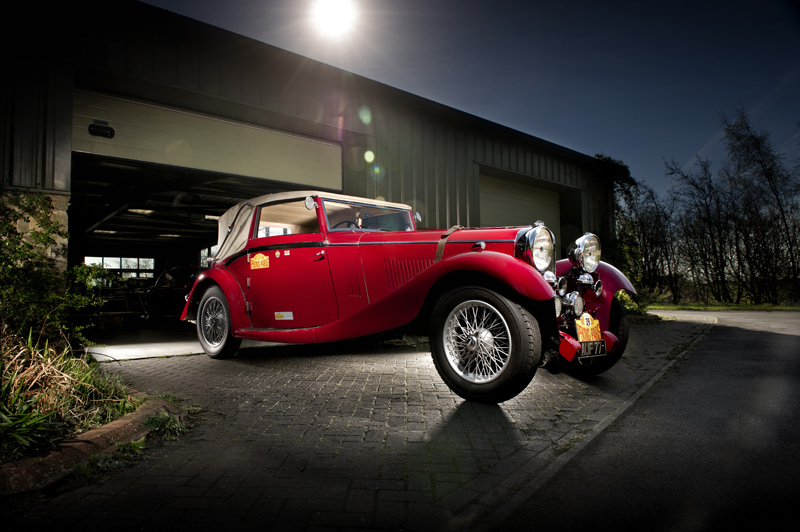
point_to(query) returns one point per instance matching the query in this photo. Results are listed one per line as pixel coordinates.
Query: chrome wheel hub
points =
(480, 339)
(213, 319)
(477, 341)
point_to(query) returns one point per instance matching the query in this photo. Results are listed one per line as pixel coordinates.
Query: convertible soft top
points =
(238, 237)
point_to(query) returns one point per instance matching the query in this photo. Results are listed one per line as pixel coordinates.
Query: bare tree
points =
(646, 234)
(773, 191)
(732, 236)
(704, 225)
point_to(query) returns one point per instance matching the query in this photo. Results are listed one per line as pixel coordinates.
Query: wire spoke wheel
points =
(477, 341)
(214, 325)
(485, 346)
(213, 322)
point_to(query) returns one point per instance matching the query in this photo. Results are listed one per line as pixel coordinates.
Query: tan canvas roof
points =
(238, 237)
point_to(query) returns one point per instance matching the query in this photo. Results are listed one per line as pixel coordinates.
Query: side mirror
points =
(417, 216)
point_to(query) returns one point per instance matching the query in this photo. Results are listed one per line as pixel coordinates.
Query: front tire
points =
(485, 347)
(214, 325)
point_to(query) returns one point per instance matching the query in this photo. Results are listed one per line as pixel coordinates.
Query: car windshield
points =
(343, 216)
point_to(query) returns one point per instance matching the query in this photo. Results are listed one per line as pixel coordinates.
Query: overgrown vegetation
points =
(47, 390)
(730, 237)
(48, 393)
(35, 294)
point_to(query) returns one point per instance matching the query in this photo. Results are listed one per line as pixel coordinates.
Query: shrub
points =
(633, 305)
(46, 391)
(34, 292)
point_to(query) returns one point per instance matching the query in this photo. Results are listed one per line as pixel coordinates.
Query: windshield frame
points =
(355, 216)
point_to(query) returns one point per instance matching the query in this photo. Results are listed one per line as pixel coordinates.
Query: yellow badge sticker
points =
(284, 316)
(588, 328)
(259, 261)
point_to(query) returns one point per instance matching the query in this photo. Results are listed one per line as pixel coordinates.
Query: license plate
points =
(593, 349)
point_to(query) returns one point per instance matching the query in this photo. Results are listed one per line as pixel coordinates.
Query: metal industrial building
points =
(144, 125)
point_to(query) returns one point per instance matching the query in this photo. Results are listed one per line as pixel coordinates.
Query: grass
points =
(165, 425)
(721, 306)
(48, 393)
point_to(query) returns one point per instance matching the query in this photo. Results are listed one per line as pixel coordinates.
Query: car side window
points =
(290, 218)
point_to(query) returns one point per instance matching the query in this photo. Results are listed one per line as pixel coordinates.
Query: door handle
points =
(320, 255)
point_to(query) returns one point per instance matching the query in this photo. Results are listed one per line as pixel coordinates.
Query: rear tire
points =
(485, 347)
(214, 328)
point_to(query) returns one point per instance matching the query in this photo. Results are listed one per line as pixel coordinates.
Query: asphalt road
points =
(714, 445)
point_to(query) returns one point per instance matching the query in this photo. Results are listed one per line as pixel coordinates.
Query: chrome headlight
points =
(537, 247)
(585, 252)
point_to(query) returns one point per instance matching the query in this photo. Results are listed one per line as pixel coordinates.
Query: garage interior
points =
(150, 181)
(138, 209)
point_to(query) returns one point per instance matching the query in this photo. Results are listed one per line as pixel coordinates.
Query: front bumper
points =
(570, 348)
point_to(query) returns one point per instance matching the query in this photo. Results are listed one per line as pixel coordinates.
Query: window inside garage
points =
(126, 267)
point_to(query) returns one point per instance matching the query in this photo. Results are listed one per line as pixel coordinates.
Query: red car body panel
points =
(377, 281)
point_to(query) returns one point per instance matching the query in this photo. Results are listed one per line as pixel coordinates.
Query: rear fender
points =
(234, 295)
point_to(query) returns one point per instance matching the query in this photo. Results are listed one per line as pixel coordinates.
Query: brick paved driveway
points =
(322, 438)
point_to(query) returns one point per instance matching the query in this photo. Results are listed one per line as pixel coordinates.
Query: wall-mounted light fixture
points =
(101, 129)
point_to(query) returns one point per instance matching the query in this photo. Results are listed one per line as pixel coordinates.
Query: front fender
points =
(403, 304)
(613, 281)
(517, 274)
(234, 295)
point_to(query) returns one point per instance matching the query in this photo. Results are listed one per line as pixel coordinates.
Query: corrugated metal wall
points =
(434, 164)
(425, 154)
(34, 135)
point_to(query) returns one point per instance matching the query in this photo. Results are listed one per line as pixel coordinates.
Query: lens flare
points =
(377, 173)
(365, 115)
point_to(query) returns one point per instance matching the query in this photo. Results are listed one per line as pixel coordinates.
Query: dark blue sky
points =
(641, 81)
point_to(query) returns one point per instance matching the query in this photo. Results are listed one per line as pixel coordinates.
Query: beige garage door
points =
(505, 203)
(167, 136)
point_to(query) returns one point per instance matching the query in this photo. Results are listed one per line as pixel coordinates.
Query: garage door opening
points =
(151, 227)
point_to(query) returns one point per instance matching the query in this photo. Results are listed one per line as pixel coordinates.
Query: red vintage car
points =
(308, 267)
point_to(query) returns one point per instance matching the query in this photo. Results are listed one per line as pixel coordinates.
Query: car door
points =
(347, 271)
(286, 278)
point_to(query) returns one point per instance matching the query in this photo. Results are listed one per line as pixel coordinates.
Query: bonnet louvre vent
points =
(400, 271)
